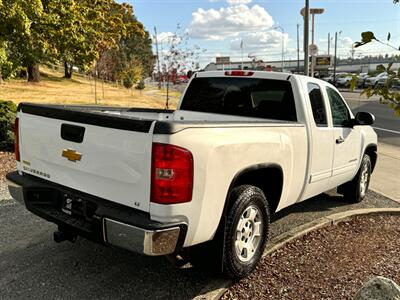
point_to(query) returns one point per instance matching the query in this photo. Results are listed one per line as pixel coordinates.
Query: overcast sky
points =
(220, 25)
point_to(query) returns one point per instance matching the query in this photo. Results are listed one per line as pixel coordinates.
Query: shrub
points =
(128, 83)
(140, 85)
(8, 111)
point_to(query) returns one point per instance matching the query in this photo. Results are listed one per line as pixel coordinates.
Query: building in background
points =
(323, 65)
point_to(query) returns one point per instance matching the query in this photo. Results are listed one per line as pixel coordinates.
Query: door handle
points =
(339, 140)
(72, 133)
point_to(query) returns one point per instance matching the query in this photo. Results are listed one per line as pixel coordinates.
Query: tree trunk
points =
(70, 71)
(67, 70)
(33, 73)
(22, 74)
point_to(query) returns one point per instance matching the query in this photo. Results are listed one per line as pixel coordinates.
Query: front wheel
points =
(246, 230)
(356, 189)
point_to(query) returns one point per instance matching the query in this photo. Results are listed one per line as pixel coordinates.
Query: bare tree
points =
(179, 57)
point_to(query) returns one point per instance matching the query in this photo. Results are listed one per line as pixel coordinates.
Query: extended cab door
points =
(321, 144)
(346, 140)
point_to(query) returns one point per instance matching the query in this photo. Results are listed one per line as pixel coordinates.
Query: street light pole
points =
(334, 63)
(314, 11)
(298, 49)
(329, 43)
(158, 58)
(306, 34)
(283, 48)
(283, 45)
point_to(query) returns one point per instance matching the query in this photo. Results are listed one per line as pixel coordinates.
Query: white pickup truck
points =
(241, 146)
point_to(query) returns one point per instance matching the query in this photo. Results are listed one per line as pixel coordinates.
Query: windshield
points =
(250, 97)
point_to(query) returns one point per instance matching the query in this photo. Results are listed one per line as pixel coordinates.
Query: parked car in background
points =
(382, 81)
(343, 80)
(331, 78)
(182, 79)
(396, 84)
(362, 77)
(373, 81)
(328, 78)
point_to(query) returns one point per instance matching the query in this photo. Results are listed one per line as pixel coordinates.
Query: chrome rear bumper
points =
(16, 191)
(146, 236)
(149, 242)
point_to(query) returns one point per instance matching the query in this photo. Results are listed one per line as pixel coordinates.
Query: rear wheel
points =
(356, 189)
(246, 230)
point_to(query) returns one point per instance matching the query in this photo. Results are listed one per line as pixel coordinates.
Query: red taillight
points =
(171, 174)
(239, 73)
(16, 139)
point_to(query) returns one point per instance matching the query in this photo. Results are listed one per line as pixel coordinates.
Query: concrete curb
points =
(384, 194)
(215, 289)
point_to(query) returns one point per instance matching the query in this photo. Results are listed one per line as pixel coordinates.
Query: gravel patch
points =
(322, 206)
(7, 164)
(4, 194)
(330, 263)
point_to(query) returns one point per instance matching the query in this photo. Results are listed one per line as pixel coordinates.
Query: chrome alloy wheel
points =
(248, 233)
(364, 180)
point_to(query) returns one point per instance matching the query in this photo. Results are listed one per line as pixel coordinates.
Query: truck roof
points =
(246, 73)
(258, 75)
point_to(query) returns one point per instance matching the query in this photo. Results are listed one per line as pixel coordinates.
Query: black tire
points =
(245, 199)
(354, 191)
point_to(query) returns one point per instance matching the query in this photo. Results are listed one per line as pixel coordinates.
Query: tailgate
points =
(102, 155)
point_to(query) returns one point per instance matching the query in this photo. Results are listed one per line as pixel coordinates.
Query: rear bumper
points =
(104, 221)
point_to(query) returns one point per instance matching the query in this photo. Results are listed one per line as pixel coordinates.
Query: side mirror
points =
(364, 118)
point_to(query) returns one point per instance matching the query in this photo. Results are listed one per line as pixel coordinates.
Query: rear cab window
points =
(317, 104)
(248, 97)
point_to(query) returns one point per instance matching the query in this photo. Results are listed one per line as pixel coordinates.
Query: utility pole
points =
(329, 43)
(312, 42)
(352, 52)
(306, 34)
(95, 85)
(314, 11)
(241, 51)
(283, 46)
(334, 63)
(158, 58)
(283, 49)
(298, 49)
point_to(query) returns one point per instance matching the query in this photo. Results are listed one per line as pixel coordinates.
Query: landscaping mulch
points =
(7, 164)
(330, 263)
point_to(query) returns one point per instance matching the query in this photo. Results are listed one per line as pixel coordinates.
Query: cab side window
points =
(317, 105)
(340, 113)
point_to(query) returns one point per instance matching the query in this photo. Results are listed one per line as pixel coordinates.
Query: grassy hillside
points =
(80, 90)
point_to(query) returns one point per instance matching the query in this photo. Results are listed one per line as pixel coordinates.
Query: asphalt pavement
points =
(33, 266)
(387, 124)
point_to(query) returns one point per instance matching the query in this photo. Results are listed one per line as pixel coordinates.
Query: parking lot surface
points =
(33, 266)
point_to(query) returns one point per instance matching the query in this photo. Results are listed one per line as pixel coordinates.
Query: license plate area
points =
(77, 206)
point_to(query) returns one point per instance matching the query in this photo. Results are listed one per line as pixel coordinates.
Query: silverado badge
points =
(71, 155)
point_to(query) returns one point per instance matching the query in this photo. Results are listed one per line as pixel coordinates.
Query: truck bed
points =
(115, 145)
(141, 119)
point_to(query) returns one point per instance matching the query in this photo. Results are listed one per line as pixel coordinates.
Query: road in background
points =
(387, 124)
(385, 179)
